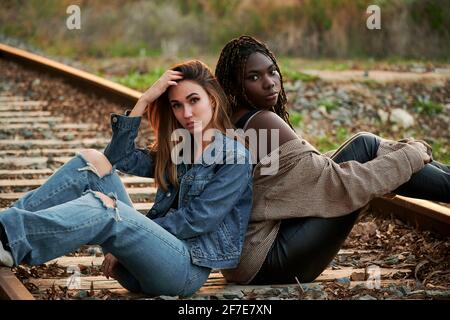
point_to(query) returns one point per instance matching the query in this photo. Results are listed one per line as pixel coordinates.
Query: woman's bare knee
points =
(106, 200)
(98, 160)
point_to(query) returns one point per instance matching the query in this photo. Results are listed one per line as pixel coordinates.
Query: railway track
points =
(35, 141)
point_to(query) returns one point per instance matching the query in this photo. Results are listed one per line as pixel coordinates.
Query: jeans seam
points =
(124, 219)
(186, 280)
(59, 189)
(85, 224)
(190, 280)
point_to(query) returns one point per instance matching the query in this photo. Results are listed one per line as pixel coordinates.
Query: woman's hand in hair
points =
(169, 78)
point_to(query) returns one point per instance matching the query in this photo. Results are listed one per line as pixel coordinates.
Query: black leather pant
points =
(304, 247)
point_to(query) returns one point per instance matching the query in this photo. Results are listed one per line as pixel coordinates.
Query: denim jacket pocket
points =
(198, 185)
(196, 188)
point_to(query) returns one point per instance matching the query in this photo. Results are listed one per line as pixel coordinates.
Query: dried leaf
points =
(420, 265)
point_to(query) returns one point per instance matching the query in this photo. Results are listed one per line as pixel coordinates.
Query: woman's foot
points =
(6, 258)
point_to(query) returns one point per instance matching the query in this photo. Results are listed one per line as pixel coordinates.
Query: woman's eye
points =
(176, 105)
(253, 77)
(273, 72)
(194, 100)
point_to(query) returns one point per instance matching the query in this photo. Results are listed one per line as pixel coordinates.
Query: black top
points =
(241, 122)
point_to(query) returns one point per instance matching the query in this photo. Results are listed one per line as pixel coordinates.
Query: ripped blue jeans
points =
(65, 213)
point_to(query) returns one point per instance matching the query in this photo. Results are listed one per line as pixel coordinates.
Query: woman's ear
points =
(213, 102)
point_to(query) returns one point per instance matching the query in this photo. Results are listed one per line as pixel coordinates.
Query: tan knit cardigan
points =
(309, 184)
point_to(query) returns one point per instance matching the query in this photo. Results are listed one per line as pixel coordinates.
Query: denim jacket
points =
(214, 200)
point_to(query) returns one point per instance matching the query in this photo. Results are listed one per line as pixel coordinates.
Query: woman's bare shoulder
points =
(270, 120)
(266, 120)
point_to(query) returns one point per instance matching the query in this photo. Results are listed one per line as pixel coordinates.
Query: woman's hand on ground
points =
(422, 148)
(108, 265)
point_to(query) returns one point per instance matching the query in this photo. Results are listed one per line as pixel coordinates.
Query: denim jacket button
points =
(168, 194)
(114, 119)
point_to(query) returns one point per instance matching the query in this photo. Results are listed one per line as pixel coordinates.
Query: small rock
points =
(167, 298)
(315, 294)
(367, 297)
(384, 116)
(82, 294)
(238, 295)
(316, 115)
(266, 292)
(437, 293)
(402, 118)
(343, 281)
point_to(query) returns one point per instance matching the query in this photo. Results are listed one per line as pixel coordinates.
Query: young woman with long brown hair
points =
(201, 209)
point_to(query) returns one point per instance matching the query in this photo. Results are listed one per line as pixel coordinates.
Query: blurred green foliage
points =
(295, 118)
(329, 105)
(310, 28)
(441, 151)
(428, 107)
(140, 81)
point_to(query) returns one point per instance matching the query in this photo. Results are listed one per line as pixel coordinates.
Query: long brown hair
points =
(230, 72)
(164, 123)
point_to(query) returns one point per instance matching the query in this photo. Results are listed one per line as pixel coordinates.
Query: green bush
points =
(428, 107)
(441, 151)
(324, 144)
(328, 104)
(138, 81)
(292, 75)
(295, 118)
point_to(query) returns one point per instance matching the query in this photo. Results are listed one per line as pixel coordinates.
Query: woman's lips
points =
(190, 125)
(272, 96)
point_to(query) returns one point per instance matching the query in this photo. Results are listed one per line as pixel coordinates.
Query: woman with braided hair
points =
(303, 212)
